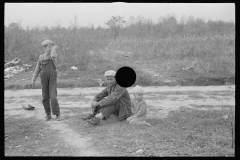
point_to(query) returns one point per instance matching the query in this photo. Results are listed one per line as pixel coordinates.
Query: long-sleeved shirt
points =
(139, 108)
(53, 56)
(115, 95)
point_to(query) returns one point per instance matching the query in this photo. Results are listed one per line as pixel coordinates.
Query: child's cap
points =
(109, 73)
(47, 42)
(138, 89)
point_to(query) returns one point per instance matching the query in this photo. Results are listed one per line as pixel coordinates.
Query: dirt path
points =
(161, 100)
(81, 145)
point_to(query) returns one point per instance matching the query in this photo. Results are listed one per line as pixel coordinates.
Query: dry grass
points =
(30, 137)
(186, 132)
(212, 60)
(209, 55)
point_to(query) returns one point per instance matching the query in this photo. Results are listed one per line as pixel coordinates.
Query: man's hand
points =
(94, 104)
(33, 84)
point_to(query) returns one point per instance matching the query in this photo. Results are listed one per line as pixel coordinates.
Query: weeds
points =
(232, 120)
(188, 132)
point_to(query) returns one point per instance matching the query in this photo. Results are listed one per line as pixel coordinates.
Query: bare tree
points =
(115, 24)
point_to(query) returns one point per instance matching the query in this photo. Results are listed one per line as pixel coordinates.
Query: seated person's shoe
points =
(94, 121)
(88, 117)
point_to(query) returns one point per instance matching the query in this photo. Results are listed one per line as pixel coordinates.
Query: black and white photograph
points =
(119, 79)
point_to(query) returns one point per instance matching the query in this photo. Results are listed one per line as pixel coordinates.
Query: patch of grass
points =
(174, 98)
(206, 55)
(28, 137)
(32, 137)
(211, 58)
(195, 96)
(186, 132)
(220, 93)
(215, 97)
(74, 98)
(160, 97)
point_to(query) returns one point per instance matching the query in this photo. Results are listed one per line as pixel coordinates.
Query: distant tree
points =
(200, 27)
(115, 24)
(141, 21)
(131, 21)
(169, 25)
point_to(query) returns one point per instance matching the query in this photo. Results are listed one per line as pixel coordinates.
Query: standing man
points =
(114, 99)
(47, 67)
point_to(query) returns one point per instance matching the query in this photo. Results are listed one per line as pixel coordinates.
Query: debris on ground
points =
(188, 68)
(11, 71)
(28, 107)
(74, 68)
(6, 137)
(139, 151)
(18, 146)
(27, 66)
(14, 67)
(14, 62)
(225, 117)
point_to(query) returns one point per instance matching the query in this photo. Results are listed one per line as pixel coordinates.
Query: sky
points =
(52, 14)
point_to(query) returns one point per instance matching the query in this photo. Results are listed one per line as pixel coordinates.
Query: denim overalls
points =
(48, 77)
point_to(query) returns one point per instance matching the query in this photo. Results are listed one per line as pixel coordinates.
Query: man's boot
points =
(94, 121)
(88, 117)
(95, 111)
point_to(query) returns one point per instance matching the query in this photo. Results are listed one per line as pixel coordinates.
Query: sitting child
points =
(139, 108)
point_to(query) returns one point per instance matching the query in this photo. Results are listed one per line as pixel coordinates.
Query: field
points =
(197, 67)
(187, 70)
(186, 121)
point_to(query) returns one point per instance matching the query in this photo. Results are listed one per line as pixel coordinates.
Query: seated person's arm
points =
(100, 95)
(142, 110)
(133, 107)
(114, 97)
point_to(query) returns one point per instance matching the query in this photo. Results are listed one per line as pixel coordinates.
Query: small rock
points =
(56, 151)
(139, 151)
(225, 117)
(74, 68)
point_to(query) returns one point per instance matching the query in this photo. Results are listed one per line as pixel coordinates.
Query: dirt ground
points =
(160, 100)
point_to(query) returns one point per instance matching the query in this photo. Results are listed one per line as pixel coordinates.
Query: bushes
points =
(212, 50)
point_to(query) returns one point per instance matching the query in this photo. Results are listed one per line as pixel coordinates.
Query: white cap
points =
(47, 42)
(138, 89)
(109, 73)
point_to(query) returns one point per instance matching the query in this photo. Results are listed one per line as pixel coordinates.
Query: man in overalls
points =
(46, 66)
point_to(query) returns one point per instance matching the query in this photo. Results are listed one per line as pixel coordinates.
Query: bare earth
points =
(160, 100)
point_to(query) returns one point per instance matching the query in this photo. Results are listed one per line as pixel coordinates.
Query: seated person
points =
(113, 100)
(139, 108)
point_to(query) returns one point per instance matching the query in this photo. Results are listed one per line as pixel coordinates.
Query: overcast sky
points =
(50, 14)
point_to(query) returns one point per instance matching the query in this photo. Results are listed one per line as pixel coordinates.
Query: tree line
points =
(19, 41)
